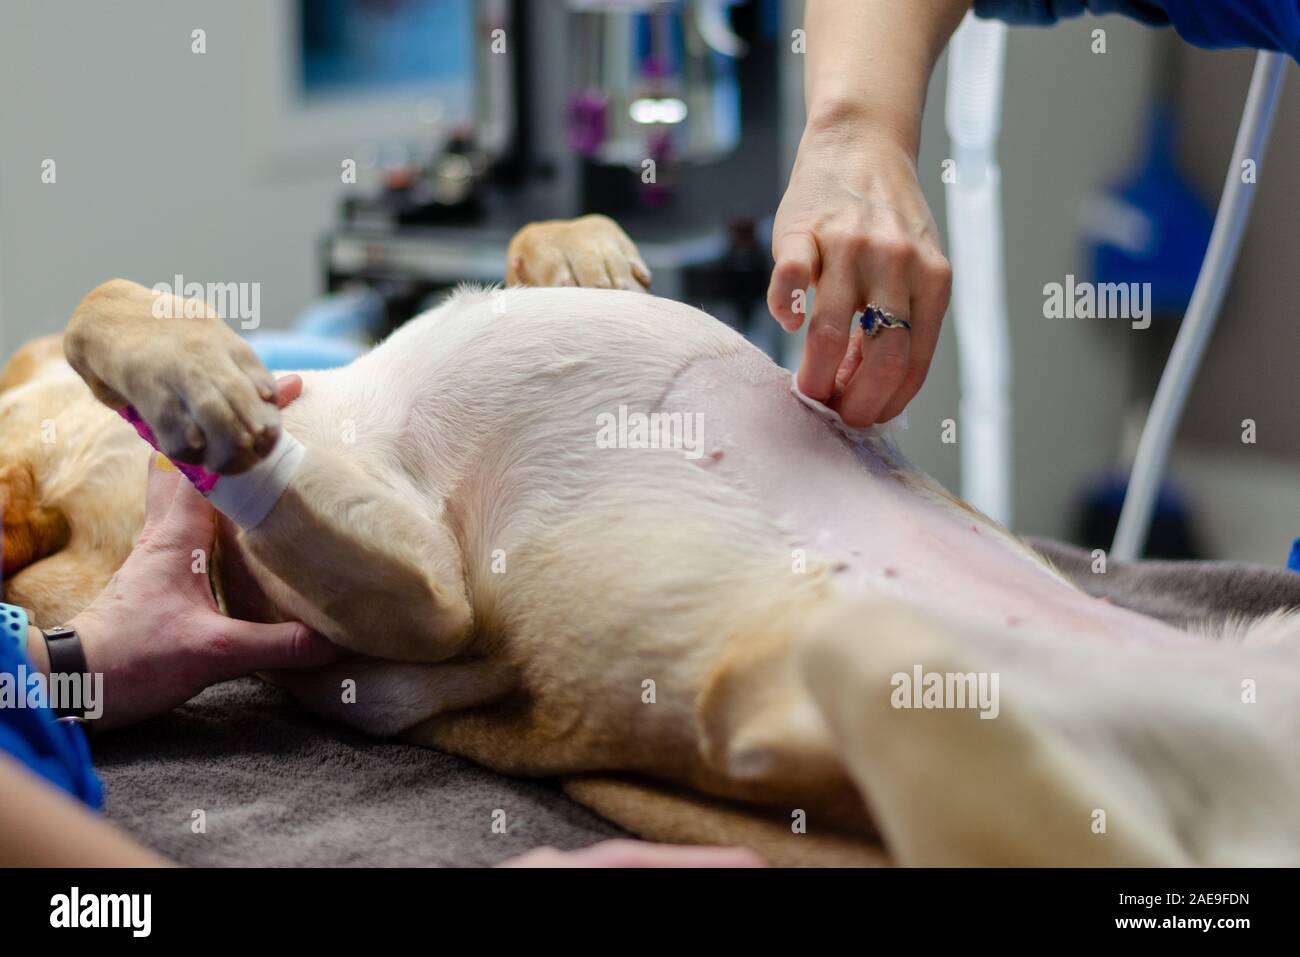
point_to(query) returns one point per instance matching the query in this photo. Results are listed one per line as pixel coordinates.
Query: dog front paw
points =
(206, 395)
(591, 251)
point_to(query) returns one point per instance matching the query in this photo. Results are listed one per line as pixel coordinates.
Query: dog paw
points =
(591, 251)
(206, 395)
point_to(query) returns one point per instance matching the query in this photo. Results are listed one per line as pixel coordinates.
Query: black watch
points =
(67, 657)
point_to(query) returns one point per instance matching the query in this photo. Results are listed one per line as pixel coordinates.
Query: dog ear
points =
(31, 531)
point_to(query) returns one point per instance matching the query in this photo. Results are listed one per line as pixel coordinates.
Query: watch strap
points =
(67, 657)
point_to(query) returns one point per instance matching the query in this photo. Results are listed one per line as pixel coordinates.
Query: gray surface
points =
(1180, 593)
(282, 788)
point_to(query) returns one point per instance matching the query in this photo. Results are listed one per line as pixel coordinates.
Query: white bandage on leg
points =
(247, 498)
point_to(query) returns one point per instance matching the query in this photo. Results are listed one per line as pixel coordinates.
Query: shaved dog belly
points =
(885, 531)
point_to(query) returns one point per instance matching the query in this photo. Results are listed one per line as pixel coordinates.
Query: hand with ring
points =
(861, 233)
(854, 223)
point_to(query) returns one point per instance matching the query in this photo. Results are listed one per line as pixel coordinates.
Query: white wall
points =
(155, 174)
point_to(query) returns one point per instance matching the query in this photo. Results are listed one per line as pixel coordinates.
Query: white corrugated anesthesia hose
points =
(1202, 311)
(975, 68)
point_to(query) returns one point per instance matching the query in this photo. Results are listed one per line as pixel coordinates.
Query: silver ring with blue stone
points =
(876, 317)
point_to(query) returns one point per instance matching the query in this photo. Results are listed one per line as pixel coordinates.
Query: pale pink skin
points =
(842, 503)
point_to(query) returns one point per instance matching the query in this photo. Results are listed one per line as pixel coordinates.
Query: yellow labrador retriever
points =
(593, 534)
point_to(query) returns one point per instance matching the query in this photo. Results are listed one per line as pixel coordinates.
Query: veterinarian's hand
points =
(155, 632)
(638, 854)
(853, 222)
(855, 225)
(589, 251)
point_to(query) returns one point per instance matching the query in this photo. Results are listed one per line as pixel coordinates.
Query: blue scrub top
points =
(1262, 24)
(55, 750)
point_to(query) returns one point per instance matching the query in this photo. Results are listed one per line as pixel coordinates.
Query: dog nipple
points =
(716, 455)
(891, 572)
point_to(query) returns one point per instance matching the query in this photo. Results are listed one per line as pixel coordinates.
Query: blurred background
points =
(357, 157)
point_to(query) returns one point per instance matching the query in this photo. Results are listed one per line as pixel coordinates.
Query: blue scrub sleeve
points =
(1262, 24)
(54, 750)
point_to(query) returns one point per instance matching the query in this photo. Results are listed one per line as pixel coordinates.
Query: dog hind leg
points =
(1096, 756)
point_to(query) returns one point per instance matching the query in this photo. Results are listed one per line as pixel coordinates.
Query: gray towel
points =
(280, 787)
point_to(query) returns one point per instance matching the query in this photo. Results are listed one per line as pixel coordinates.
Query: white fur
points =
(590, 571)
(484, 411)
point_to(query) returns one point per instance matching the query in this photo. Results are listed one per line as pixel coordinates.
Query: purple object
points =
(199, 477)
(587, 122)
(660, 191)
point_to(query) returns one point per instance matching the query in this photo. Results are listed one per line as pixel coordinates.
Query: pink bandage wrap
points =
(246, 498)
(199, 477)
